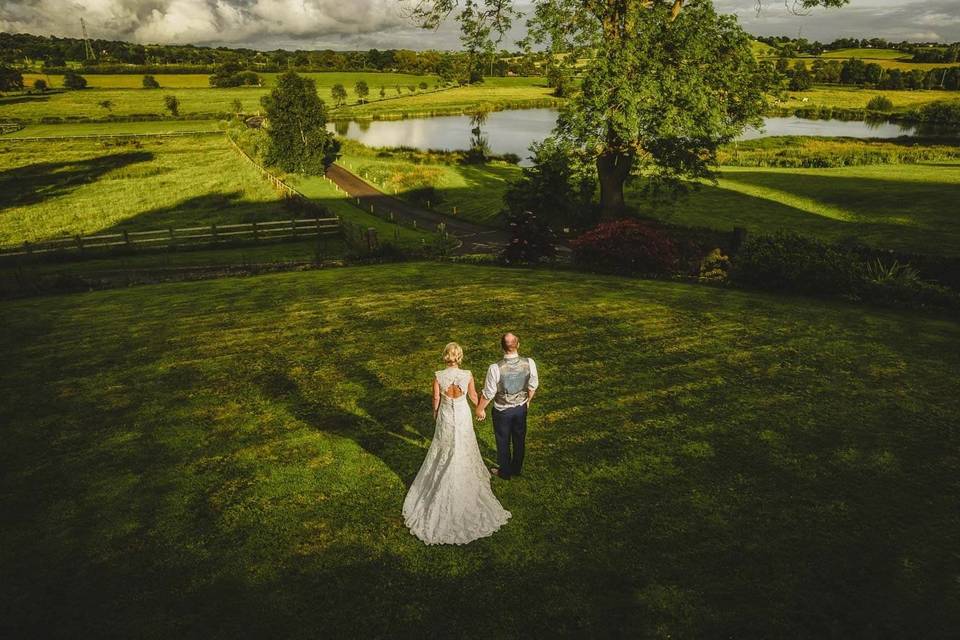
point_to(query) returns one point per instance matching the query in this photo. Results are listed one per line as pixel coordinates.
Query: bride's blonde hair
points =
(452, 354)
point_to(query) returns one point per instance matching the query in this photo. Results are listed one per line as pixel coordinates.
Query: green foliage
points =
(681, 88)
(107, 104)
(40, 85)
(73, 80)
(237, 106)
(790, 262)
(231, 75)
(10, 79)
(297, 121)
(172, 104)
(940, 112)
(339, 94)
(531, 238)
(149, 82)
(881, 104)
(800, 78)
(559, 187)
(362, 89)
(804, 152)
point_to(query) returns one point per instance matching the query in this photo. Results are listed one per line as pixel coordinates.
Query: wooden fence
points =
(212, 234)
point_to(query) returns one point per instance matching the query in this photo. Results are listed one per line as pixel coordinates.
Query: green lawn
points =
(153, 183)
(112, 128)
(857, 98)
(197, 98)
(90, 186)
(470, 191)
(501, 93)
(322, 190)
(867, 54)
(905, 207)
(228, 459)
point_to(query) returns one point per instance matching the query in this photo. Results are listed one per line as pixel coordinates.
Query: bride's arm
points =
(436, 398)
(472, 392)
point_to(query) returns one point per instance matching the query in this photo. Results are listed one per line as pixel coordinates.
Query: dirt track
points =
(475, 238)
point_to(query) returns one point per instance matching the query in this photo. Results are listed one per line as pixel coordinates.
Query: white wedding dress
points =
(450, 501)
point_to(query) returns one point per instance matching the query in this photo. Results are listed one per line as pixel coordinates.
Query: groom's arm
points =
(489, 390)
(534, 383)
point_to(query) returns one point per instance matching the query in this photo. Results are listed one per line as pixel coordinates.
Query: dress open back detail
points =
(450, 500)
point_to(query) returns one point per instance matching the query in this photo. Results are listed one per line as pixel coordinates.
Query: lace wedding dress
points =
(450, 501)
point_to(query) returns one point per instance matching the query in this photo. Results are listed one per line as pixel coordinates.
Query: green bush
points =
(73, 80)
(790, 262)
(880, 103)
(940, 112)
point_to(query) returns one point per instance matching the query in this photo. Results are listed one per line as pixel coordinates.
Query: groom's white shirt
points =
(493, 379)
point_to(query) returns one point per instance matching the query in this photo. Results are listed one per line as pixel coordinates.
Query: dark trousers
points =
(510, 428)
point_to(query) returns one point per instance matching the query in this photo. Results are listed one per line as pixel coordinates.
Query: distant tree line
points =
(858, 72)
(921, 51)
(53, 54)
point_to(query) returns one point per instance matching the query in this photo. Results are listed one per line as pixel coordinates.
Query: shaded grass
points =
(904, 207)
(229, 458)
(89, 186)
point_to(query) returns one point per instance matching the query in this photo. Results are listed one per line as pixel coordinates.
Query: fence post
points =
(126, 237)
(256, 233)
(371, 239)
(213, 231)
(79, 240)
(396, 233)
(414, 224)
(27, 247)
(293, 227)
(173, 238)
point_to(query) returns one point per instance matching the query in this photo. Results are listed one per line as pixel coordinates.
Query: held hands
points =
(481, 414)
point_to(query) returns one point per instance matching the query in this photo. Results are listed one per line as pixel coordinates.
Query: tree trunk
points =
(613, 168)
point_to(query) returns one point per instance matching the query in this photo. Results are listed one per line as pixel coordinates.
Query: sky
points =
(384, 24)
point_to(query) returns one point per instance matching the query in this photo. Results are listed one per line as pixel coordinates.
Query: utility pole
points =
(87, 49)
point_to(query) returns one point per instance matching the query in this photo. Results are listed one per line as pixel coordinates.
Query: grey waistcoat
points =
(514, 380)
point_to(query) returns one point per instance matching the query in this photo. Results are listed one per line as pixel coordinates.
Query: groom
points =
(511, 384)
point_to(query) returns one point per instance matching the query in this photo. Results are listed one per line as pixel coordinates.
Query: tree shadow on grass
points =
(382, 432)
(35, 183)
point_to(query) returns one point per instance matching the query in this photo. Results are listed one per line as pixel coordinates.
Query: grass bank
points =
(905, 207)
(229, 458)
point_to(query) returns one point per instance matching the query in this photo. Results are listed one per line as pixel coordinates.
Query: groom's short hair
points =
(509, 342)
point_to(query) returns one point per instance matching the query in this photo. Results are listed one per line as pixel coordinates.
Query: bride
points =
(450, 501)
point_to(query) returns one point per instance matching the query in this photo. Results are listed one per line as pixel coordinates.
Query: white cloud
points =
(355, 24)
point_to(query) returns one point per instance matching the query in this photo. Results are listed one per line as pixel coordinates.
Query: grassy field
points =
(857, 98)
(470, 191)
(320, 189)
(324, 81)
(201, 101)
(88, 186)
(112, 128)
(228, 458)
(905, 207)
(867, 54)
(150, 183)
(501, 93)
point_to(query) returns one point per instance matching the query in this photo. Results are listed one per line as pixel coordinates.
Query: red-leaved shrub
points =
(626, 246)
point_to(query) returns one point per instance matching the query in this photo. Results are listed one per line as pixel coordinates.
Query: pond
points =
(513, 131)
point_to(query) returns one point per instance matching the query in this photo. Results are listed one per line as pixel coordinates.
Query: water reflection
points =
(514, 131)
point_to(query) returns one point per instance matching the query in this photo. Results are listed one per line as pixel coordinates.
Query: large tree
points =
(667, 81)
(297, 126)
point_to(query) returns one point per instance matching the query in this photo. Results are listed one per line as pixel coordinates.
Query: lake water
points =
(513, 131)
